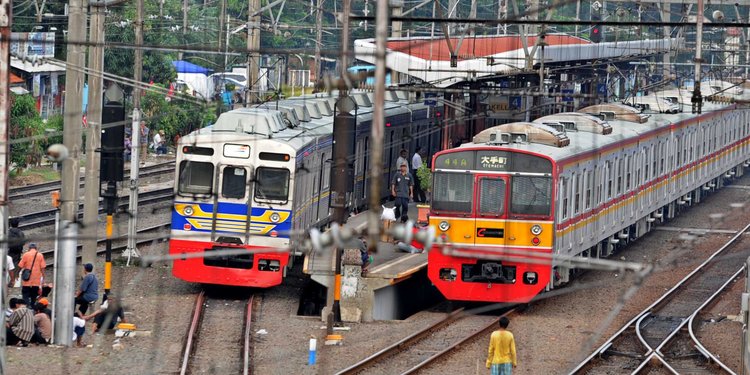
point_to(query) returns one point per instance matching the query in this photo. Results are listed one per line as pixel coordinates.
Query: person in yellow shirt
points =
(502, 353)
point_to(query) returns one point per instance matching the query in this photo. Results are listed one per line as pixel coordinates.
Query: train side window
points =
(628, 172)
(233, 182)
(576, 194)
(610, 178)
(272, 184)
(492, 197)
(196, 177)
(564, 194)
(646, 164)
(620, 172)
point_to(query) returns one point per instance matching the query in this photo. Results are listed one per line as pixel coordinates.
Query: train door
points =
(490, 207)
(232, 198)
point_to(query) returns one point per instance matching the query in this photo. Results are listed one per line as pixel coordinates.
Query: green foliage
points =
(425, 177)
(25, 126)
(176, 116)
(53, 131)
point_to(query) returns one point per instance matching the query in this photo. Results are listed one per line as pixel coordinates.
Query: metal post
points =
(135, 157)
(55, 265)
(5, 24)
(378, 126)
(110, 197)
(136, 137)
(396, 27)
(73, 103)
(318, 38)
(253, 46)
(64, 307)
(697, 99)
(93, 140)
(184, 24)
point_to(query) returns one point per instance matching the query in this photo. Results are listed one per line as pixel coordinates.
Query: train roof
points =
(582, 142)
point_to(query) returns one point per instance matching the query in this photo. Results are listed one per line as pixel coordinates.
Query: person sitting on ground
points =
(20, 326)
(45, 304)
(43, 331)
(79, 328)
(89, 290)
(107, 314)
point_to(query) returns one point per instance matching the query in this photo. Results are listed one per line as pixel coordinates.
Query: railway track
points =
(28, 191)
(417, 351)
(140, 232)
(47, 217)
(660, 339)
(207, 346)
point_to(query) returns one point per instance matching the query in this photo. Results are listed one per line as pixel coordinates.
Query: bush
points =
(425, 177)
(26, 126)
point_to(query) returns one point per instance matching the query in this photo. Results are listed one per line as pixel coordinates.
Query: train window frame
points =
(564, 195)
(589, 188)
(258, 185)
(503, 194)
(437, 197)
(181, 188)
(576, 194)
(224, 175)
(549, 185)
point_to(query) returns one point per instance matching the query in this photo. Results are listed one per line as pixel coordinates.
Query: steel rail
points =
(21, 192)
(456, 344)
(659, 302)
(192, 334)
(47, 217)
(399, 345)
(247, 342)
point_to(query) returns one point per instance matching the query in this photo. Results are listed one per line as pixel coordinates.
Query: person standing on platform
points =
(402, 159)
(143, 142)
(402, 187)
(416, 163)
(31, 268)
(89, 290)
(501, 358)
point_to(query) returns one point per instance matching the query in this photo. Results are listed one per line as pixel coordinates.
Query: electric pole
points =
(65, 281)
(93, 140)
(397, 9)
(6, 11)
(318, 39)
(184, 24)
(378, 125)
(253, 56)
(222, 16)
(136, 136)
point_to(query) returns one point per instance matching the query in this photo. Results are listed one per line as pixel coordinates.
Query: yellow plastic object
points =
(126, 326)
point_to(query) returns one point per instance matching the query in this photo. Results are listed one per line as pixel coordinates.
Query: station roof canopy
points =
(429, 59)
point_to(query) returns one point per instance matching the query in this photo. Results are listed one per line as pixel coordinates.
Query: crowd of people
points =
(28, 319)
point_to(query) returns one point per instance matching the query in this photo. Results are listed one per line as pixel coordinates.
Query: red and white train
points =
(522, 196)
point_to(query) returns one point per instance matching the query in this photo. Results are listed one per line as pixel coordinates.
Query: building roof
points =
(428, 59)
(30, 67)
(14, 79)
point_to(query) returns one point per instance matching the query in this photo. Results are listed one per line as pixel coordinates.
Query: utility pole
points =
(318, 39)
(397, 8)
(184, 24)
(6, 12)
(253, 54)
(222, 16)
(697, 99)
(378, 126)
(93, 140)
(65, 281)
(136, 136)
(344, 128)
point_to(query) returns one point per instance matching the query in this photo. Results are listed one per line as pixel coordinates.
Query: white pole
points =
(65, 286)
(55, 265)
(131, 250)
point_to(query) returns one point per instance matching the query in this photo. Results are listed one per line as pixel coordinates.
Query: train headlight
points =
(536, 229)
(188, 210)
(275, 217)
(444, 225)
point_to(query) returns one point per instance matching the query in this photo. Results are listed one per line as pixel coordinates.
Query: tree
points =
(26, 128)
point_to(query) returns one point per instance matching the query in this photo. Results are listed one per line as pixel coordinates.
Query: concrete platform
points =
(367, 297)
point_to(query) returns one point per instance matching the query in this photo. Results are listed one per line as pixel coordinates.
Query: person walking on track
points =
(31, 269)
(501, 357)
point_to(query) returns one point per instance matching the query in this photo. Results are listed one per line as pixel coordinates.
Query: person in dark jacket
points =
(16, 240)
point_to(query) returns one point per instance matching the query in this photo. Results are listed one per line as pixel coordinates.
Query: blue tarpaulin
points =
(187, 67)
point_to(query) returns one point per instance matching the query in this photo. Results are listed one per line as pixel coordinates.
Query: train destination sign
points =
(494, 161)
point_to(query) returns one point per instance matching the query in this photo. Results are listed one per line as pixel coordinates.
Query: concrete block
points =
(351, 257)
(351, 314)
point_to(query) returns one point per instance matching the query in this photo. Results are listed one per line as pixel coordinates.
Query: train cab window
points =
(272, 184)
(196, 177)
(491, 197)
(452, 192)
(233, 182)
(531, 195)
